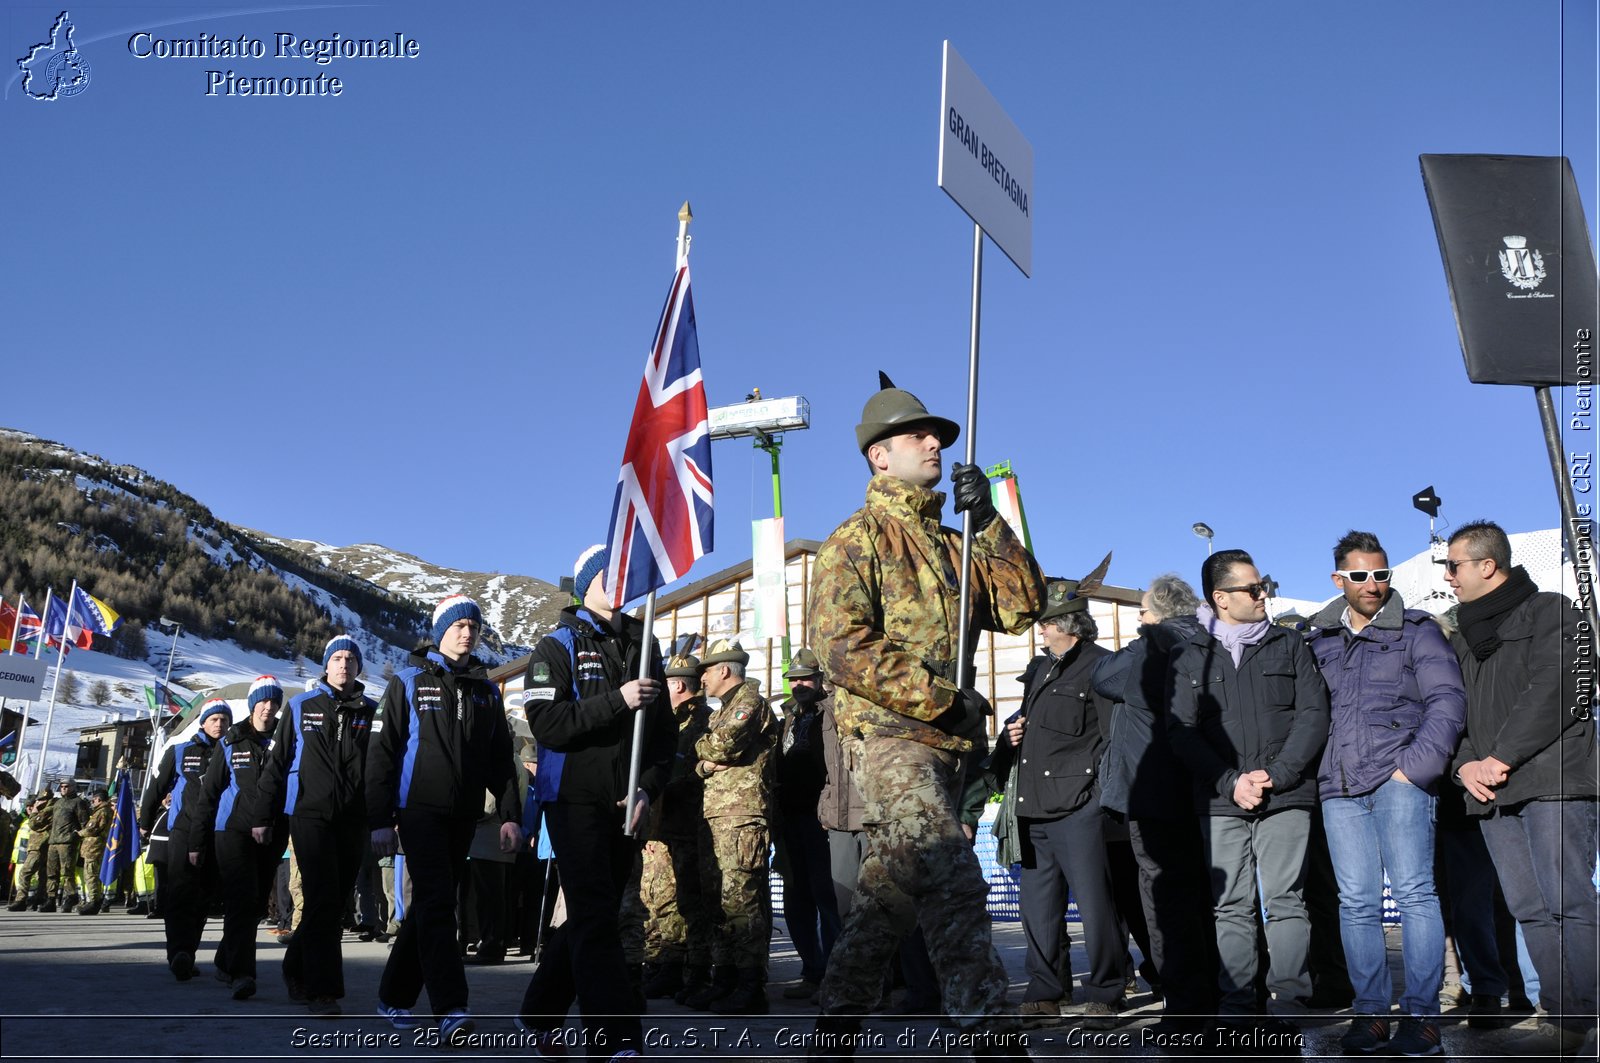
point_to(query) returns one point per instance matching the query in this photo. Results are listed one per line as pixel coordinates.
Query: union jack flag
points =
(661, 516)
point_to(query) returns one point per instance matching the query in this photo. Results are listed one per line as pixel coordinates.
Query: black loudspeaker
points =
(1521, 269)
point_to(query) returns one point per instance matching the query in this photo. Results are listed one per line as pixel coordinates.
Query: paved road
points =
(97, 989)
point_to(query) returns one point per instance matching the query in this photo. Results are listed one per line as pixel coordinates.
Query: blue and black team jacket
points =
(576, 713)
(440, 744)
(318, 758)
(229, 794)
(182, 768)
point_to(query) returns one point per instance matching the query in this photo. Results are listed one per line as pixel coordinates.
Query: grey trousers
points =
(1241, 850)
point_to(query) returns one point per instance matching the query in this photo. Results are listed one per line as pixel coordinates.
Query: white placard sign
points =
(985, 163)
(22, 677)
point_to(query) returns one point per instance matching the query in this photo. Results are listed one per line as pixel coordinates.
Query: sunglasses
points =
(1361, 575)
(1256, 591)
(1451, 566)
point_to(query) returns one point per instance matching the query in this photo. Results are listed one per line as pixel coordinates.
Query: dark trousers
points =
(329, 855)
(486, 894)
(1052, 850)
(810, 911)
(190, 890)
(425, 952)
(245, 870)
(583, 956)
(1470, 902)
(1130, 909)
(536, 885)
(1330, 977)
(1176, 895)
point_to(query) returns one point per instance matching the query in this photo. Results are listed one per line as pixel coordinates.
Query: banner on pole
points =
(22, 678)
(768, 575)
(1520, 266)
(985, 163)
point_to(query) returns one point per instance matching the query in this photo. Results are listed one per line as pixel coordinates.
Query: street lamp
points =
(1204, 531)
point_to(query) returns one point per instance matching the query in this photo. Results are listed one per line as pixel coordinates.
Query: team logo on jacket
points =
(1520, 264)
(539, 672)
(429, 701)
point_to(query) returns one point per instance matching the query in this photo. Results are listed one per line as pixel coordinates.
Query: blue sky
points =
(416, 314)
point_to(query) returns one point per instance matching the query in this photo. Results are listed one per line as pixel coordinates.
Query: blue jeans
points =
(1390, 829)
(1544, 853)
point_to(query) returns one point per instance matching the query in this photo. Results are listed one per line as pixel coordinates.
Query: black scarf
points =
(1480, 618)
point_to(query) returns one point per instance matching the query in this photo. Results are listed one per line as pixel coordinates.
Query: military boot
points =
(49, 905)
(19, 901)
(696, 976)
(89, 908)
(663, 979)
(747, 997)
(723, 979)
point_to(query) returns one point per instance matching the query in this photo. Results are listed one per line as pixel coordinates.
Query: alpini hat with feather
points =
(724, 650)
(891, 410)
(1063, 596)
(683, 666)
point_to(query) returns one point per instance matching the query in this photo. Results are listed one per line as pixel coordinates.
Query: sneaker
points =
(457, 1023)
(1486, 1013)
(1416, 1037)
(1037, 1013)
(324, 1007)
(221, 975)
(399, 1018)
(1098, 1015)
(1548, 1040)
(365, 933)
(243, 988)
(1366, 1035)
(546, 1044)
(626, 1053)
(182, 966)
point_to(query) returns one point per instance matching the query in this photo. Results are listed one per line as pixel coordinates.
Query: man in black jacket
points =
(1527, 760)
(1249, 717)
(225, 813)
(190, 885)
(441, 743)
(314, 777)
(582, 693)
(1057, 738)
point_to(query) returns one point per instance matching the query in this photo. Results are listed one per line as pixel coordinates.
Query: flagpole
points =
(685, 216)
(964, 636)
(61, 662)
(22, 731)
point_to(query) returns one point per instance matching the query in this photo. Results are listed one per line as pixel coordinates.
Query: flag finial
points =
(684, 214)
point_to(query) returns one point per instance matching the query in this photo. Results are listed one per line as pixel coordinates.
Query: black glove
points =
(971, 489)
(964, 717)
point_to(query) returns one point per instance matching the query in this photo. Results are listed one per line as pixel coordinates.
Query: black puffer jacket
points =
(1270, 713)
(1520, 706)
(1139, 775)
(440, 741)
(1061, 743)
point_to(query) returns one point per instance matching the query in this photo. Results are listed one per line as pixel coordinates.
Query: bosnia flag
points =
(122, 843)
(91, 614)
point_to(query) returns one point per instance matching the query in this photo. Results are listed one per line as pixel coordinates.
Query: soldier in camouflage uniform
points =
(883, 618)
(681, 889)
(30, 888)
(736, 762)
(92, 848)
(67, 817)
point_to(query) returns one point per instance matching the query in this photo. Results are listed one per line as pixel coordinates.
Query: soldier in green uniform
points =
(30, 887)
(681, 890)
(884, 608)
(67, 817)
(92, 848)
(735, 760)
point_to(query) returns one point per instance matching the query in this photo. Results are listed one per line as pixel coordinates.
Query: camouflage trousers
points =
(740, 844)
(631, 919)
(91, 853)
(33, 868)
(919, 867)
(62, 870)
(682, 893)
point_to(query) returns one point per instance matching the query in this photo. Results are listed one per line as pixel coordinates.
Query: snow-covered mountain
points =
(519, 608)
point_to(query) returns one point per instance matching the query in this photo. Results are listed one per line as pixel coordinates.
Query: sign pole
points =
(1570, 521)
(962, 639)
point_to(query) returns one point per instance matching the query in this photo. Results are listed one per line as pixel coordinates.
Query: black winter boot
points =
(833, 1039)
(747, 997)
(723, 979)
(695, 978)
(663, 979)
(89, 908)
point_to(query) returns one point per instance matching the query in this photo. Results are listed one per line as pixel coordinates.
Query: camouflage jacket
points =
(680, 807)
(743, 735)
(39, 819)
(95, 831)
(884, 603)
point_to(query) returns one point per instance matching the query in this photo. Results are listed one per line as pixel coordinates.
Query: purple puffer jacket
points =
(1397, 697)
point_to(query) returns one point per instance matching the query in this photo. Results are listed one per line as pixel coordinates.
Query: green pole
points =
(773, 444)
